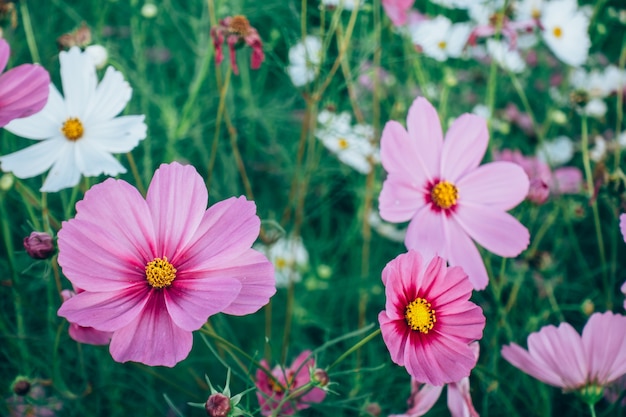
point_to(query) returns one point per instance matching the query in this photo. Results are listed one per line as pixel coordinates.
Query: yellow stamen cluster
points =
(160, 273)
(442, 45)
(73, 129)
(444, 194)
(239, 25)
(420, 316)
(558, 32)
(343, 144)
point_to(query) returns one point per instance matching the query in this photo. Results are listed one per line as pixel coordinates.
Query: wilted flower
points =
(273, 390)
(236, 31)
(153, 270)
(429, 323)
(23, 89)
(78, 134)
(39, 245)
(304, 60)
(559, 356)
(449, 199)
(80, 37)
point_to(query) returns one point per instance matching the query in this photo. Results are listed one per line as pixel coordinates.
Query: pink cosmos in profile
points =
(428, 322)
(271, 391)
(449, 199)
(424, 396)
(398, 10)
(23, 89)
(153, 270)
(561, 357)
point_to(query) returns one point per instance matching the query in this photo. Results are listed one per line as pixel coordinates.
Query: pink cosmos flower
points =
(81, 334)
(622, 228)
(237, 31)
(23, 89)
(154, 270)
(397, 10)
(272, 391)
(428, 322)
(439, 186)
(424, 396)
(559, 356)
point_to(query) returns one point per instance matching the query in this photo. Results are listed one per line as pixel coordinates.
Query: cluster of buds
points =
(236, 31)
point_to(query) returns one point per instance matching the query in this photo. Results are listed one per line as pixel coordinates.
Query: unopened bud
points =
(6, 182)
(21, 386)
(39, 245)
(321, 377)
(538, 191)
(218, 405)
(373, 409)
(588, 307)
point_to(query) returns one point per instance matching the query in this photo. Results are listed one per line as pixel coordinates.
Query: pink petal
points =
(395, 334)
(5, 52)
(464, 147)
(495, 230)
(500, 185)
(428, 233)
(424, 128)
(402, 278)
(397, 10)
(567, 180)
(459, 400)
(604, 341)
(89, 335)
(106, 311)
(45, 124)
(423, 398)
(399, 199)
(463, 252)
(177, 198)
(530, 364)
(190, 302)
(227, 229)
(452, 286)
(401, 156)
(23, 92)
(622, 225)
(465, 324)
(152, 338)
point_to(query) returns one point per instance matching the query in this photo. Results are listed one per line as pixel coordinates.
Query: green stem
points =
(592, 408)
(28, 30)
(218, 125)
(356, 346)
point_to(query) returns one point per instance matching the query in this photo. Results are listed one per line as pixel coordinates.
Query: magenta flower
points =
(236, 30)
(81, 334)
(23, 89)
(559, 356)
(154, 270)
(424, 396)
(398, 10)
(272, 391)
(439, 186)
(428, 322)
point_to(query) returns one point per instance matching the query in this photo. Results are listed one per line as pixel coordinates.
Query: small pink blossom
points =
(23, 89)
(81, 334)
(271, 391)
(449, 199)
(429, 323)
(153, 270)
(236, 30)
(561, 357)
(424, 396)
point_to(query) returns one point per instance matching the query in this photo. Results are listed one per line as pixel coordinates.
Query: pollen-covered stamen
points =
(239, 25)
(442, 45)
(160, 273)
(444, 194)
(73, 129)
(343, 144)
(557, 32)
(420, 316)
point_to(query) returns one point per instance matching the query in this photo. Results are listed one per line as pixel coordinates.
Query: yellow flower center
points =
(160, 273)
(419, 316)
(557, 31)
(239, 25)
(73, 129)
(343, 144)
(442, 45)
(280, 263)
(444, 194)
(535, 13)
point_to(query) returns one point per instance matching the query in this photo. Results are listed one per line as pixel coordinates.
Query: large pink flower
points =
(272, 391)
(428, 322)
(23, 89)
(439, 186)
(559, 356)
(154, 270)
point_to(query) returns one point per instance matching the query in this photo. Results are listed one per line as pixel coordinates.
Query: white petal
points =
(64, 172)
(91, 160)
(45, 124)
(112, 95)
(118, 135)
(78, 75)
(34, 160)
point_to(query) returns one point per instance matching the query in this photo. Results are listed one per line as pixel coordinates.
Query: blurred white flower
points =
(98, 55)
(439, 38)
(149, 10)
(456, 4)
(596, 83)
(385, 229)
(556, 152)
(78, 134)
(528, 9)
(595, 108)
(304, 60)
(482, 111)
(621, 139)
(599, 149)
(507, 58)
(565, 31)
(345, 4)
(351, 144)
(290, 259)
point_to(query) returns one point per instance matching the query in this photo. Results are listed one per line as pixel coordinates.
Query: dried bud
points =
(80, 37)
(373, 409)
(321, 377)
(21, 386)
(39, 245)
(218, 405)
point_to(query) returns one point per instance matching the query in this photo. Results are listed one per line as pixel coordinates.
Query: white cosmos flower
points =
(507, 58)
(304, 60)
(78, 134)
(351, 144)
(440, 38)
(345, 4)
(565, 31)
(528, 9)
(598, 84)
(290, 258)
(556, 152)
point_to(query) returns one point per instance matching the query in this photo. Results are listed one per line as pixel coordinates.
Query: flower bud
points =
(39, 245)
(321, 377)
(21, 386)
(539, 191)
(218, 405)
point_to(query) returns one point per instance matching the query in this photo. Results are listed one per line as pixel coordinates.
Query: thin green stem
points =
(218, 125)
(135, 171)
(354, 348)
(619, 109)
(592, 408)
(28, 30)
